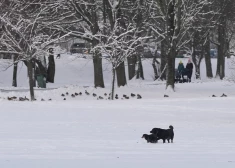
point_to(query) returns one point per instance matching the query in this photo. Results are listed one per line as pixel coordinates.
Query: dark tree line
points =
(28, 28)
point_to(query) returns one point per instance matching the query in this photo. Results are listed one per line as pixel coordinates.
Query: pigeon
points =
(9, 98)
(223, 95)
(25, 98)
(132, 95)
(94, 95)
(139, 96)
(87, 93)
(21, 99)
(100, 97)
(62, 95)
(166, 96)
(72, 95)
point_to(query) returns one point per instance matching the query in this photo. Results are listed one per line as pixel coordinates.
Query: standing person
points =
(189, 68)
(181, 69)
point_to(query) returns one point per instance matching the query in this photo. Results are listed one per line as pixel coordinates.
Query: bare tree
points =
(23, 33)
(119, 44)
(177, 17)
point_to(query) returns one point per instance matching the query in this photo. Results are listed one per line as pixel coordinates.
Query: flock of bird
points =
(223, 95)
(14, 98)
(105, 96)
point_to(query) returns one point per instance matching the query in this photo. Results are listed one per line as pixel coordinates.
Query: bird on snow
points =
(87, 92)
(223, 95)
(139, 96)
(132, 95)
(72, 95)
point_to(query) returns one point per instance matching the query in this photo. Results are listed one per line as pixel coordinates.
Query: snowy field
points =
(89, 133)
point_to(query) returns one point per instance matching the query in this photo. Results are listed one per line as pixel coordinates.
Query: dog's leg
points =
(164, 140)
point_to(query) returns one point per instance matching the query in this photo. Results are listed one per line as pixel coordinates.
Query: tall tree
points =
(177, 17)
(226, 13)
(23, 32)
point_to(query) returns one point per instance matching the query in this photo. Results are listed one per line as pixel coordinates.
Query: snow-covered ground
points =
(85, 132)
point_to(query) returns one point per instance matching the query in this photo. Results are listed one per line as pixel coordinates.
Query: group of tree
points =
(120, 29)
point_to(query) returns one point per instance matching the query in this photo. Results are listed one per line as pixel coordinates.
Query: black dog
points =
(164, 134)
(152, 138)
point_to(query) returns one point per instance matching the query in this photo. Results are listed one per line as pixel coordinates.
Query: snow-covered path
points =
(108, 134)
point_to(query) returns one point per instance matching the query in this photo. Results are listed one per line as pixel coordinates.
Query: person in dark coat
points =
(189, 68)
(181, 69)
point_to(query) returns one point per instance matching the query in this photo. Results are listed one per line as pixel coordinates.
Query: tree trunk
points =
(98, 71)
(131, 61)
(121, 75)
(34, 73)
(140, 71)
(197, 58)
(30, 74)
(156, 68)
(171, 34)
(196, 63)
(221, 49)
(51, 69)
(113, 83)
(170, 74)
(209, 72)
(14, 81)
(163, 60)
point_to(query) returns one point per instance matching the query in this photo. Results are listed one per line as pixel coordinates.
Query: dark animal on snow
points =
(100, 97)
(139, 96)
(223, 95)
(152, 138)
(87, 92)
(132, 95)
(164, 134)
(58, 56)
(72, 95)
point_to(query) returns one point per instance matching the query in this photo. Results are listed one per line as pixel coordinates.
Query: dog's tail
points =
(171, 127)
